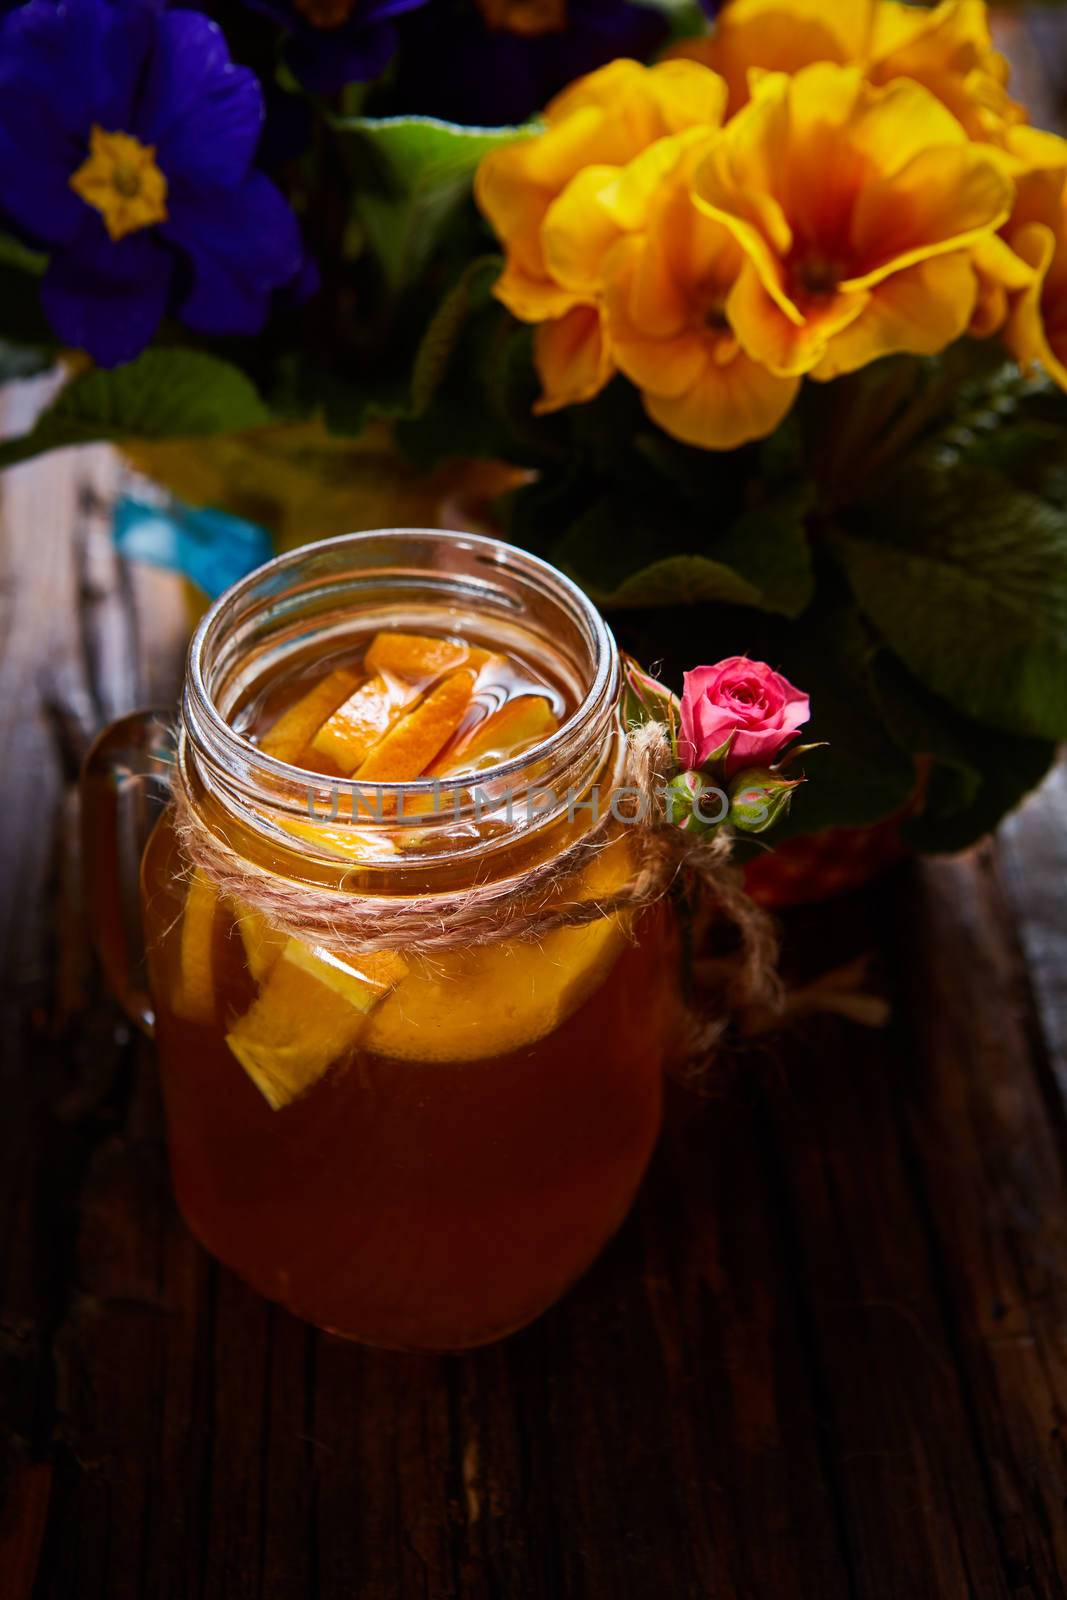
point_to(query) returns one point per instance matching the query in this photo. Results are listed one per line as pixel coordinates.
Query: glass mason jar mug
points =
(399, 1100)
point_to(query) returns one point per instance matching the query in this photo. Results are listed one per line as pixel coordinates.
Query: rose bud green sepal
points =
(714, 765)
(760, 797)
(645, 699)
(795, 752)
(695, 805)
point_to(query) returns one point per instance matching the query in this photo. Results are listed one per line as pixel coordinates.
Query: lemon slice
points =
(194, 998)
(295, 728)
(472, 1004)
(311, 1011)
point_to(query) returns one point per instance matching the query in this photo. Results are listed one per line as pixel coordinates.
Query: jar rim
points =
(291, 788)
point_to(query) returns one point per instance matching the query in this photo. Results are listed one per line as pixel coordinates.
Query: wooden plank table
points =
(826, 1356)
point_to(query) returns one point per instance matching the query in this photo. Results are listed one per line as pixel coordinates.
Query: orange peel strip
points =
(360, 978)
(466, 1005)
(311, 1010)
(297, 726)
(263, 944)
(410, 746)
(350, 734)
(420, 659)
(195, 997)
(505, 733)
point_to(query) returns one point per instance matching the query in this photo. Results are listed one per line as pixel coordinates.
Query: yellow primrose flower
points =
(1037, 235)
(999, 273)
(948, 49)
(856, 209)
(603, 120)
(666, 290)
(1032, 158)
(599, 207)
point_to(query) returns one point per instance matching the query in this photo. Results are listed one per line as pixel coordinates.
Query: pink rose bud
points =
(760, 797)
(738, 714)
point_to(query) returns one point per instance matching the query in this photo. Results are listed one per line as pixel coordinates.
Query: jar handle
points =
(125, 786)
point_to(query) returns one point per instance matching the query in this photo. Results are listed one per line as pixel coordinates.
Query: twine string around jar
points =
(667, 858)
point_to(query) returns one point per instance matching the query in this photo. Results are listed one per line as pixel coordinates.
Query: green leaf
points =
(608, 551)
(402, 389)
(350, 404)
(688, 580)
(13, 253)
(483, 406)
(411, 175)
(863, 775)
(854, 432)
(1015, 425)
(965, 575)
(625, 551)
(686, 20)
(975, 774)
(441, 337)
(769, 546)
(22, 322)
(943, 828)
(164, 394)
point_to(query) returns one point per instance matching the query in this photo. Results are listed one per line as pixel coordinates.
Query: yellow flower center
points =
(525, 17)
(326, 13)
(120, 179)
(817, 275)
(709, 318)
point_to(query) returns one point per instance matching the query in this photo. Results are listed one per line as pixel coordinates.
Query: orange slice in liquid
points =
(466, 1005)
(313, 1007)
(348, 737)
(194, 998)
(413, 742)
(420, 659)
(403, 665)
(297, 726)
(262, 943)
(505, 733)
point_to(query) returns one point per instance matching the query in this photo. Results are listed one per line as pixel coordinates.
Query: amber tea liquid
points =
(423, 1153)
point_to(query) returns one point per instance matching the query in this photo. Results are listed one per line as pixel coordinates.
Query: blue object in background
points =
(212, 548)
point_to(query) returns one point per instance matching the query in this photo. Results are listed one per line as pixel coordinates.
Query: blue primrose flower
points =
(334, 42)
(127, 140)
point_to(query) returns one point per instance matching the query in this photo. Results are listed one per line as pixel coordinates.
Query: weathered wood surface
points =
(826, 1357)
